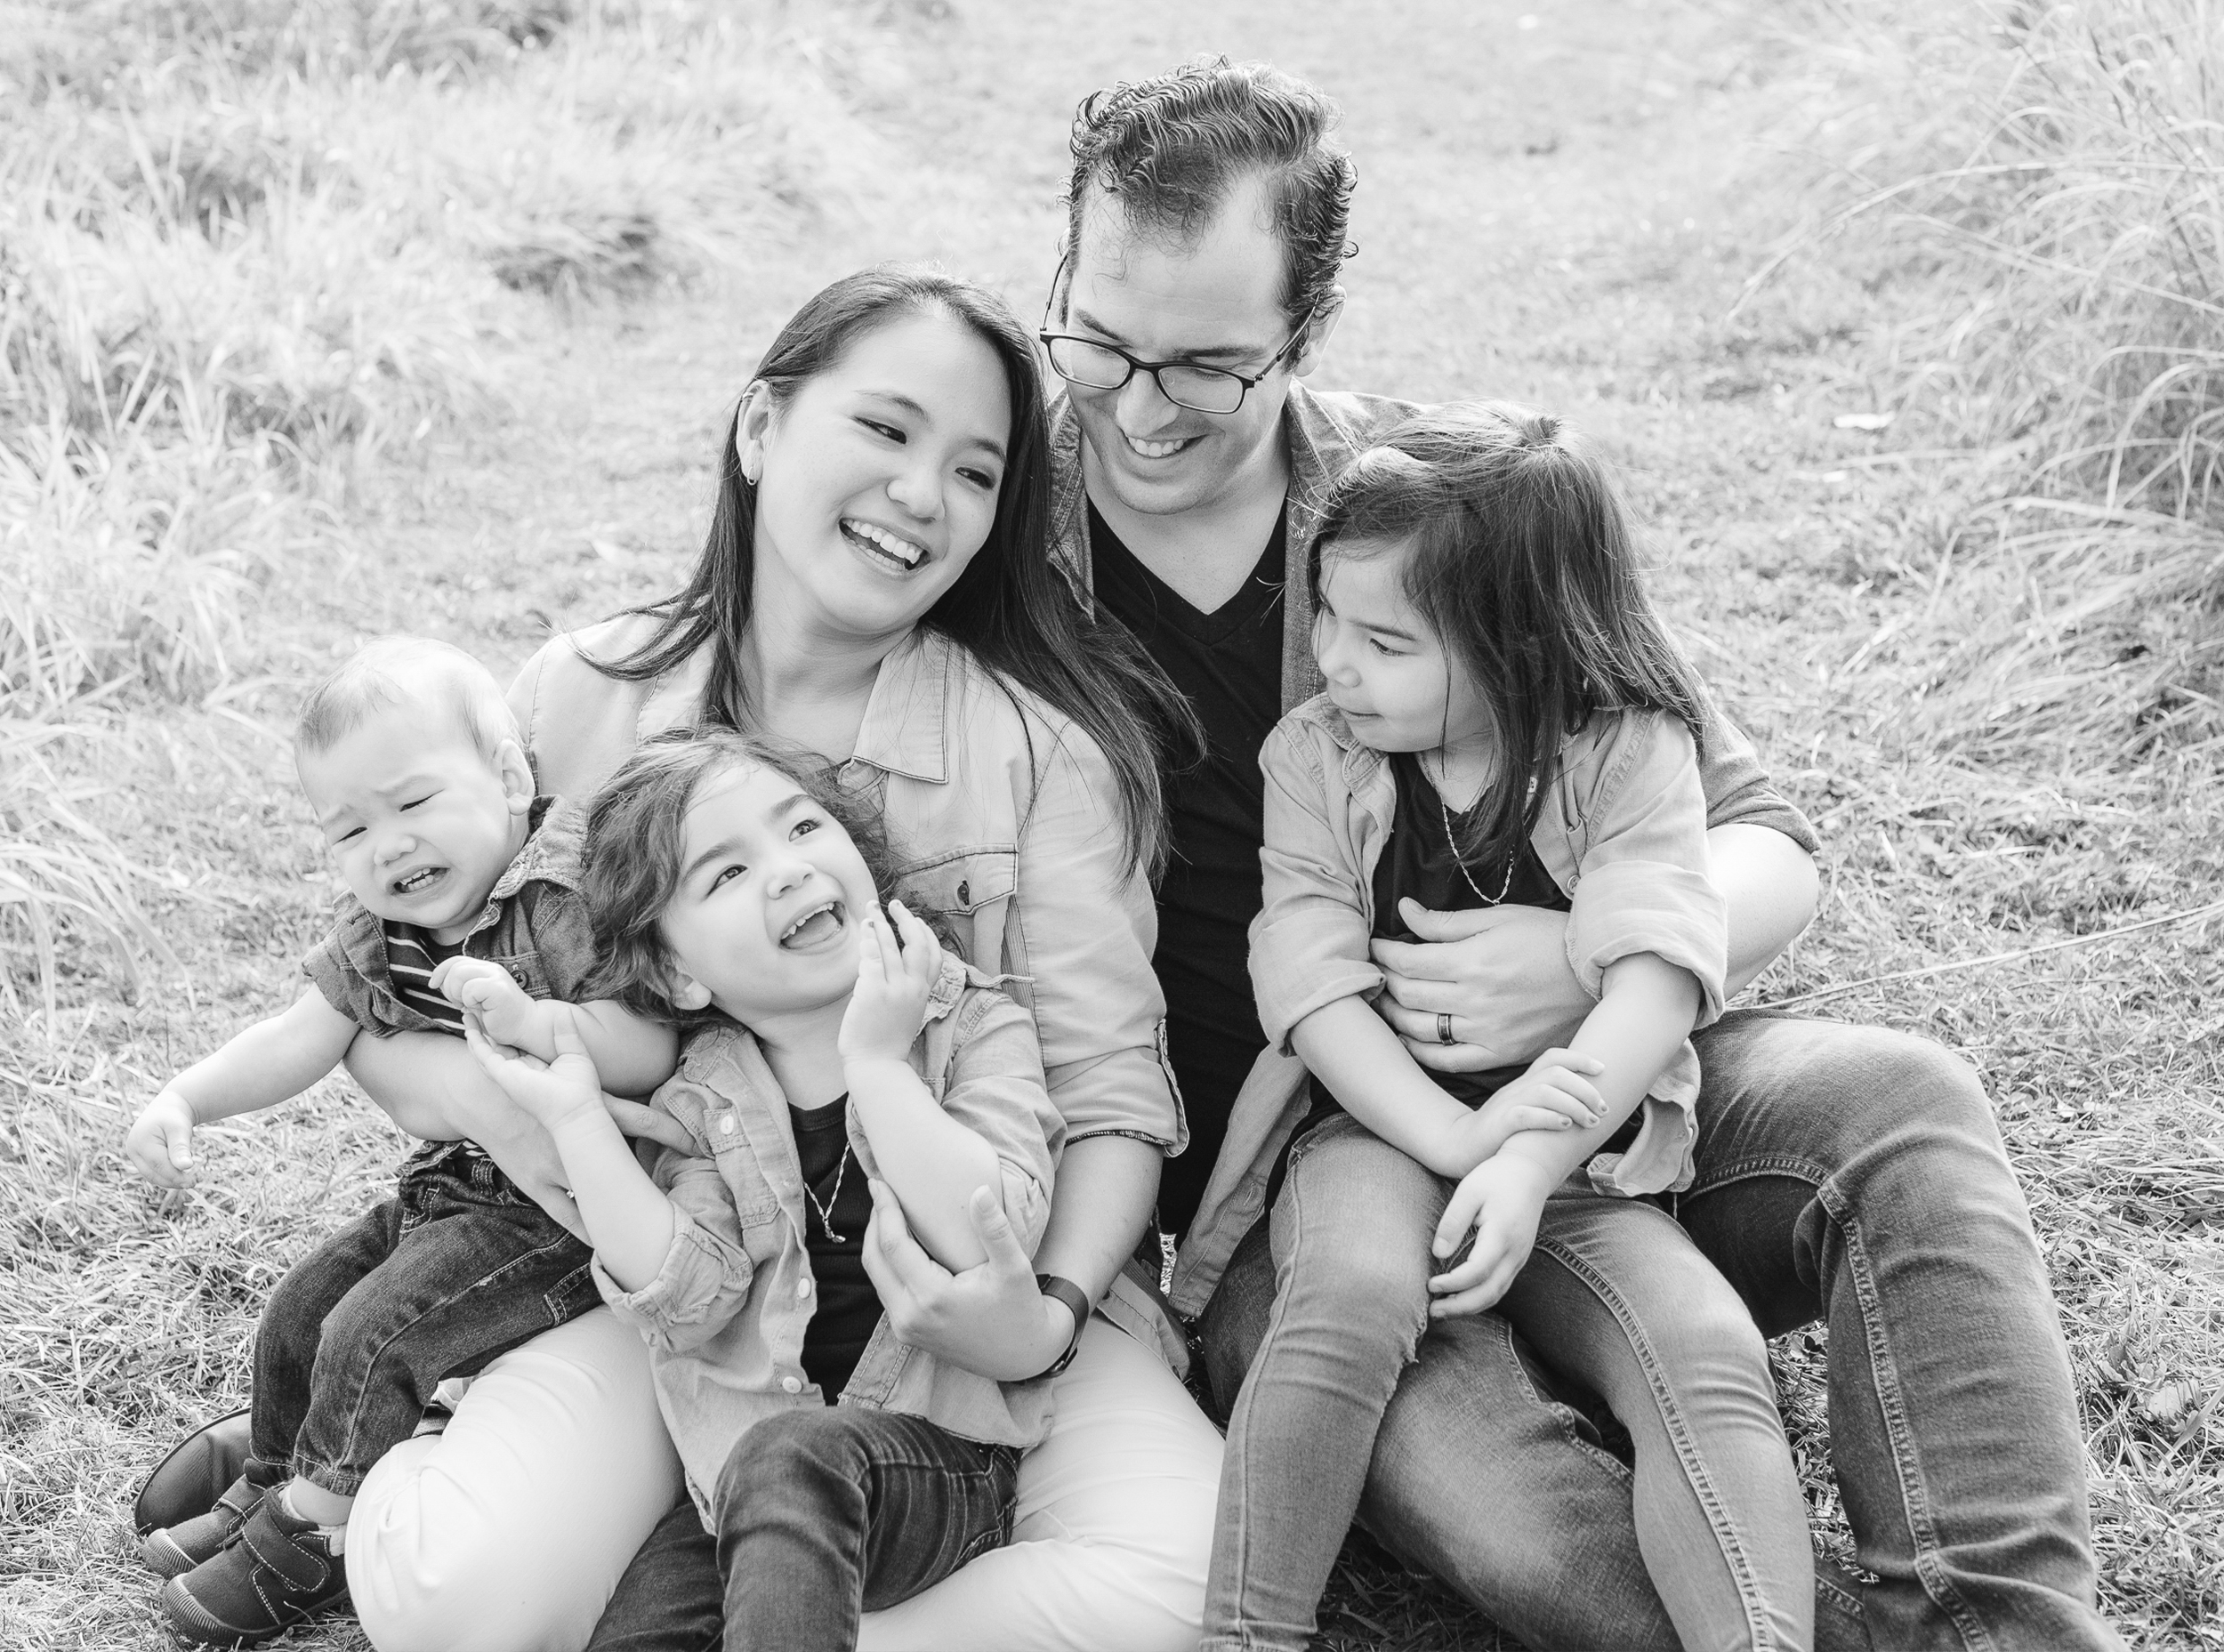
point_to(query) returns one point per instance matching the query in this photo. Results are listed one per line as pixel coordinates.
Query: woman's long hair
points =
(1010, 608)
(1518, 555)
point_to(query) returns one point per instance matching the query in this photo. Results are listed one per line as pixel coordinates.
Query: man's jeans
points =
(457, 1268)
(1846, 1173)
(822, 1516)
(1620, 1297)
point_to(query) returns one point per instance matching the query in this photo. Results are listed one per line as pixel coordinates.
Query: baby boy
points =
(456, 874)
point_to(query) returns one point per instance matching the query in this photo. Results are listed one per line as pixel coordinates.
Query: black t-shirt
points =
(1421, 862)
(1229, 663)
(848, 1309)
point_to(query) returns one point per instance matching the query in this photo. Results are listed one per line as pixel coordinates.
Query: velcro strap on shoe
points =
(294, 1556)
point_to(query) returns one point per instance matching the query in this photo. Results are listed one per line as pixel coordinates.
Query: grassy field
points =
(428, 324)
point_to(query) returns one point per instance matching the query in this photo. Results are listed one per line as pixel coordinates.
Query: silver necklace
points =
(1453, 843)
(826, 1221)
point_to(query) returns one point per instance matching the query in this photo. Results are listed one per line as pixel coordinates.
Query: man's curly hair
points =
(1169, 151)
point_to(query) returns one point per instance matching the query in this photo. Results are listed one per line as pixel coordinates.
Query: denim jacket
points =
(725, 1316)
(1000, 811)
(1622, 832)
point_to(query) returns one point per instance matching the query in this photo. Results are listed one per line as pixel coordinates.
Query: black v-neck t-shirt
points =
(849, 1308)
(1229, 663)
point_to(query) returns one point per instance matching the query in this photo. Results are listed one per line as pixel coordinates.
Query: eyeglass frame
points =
(1135, 364)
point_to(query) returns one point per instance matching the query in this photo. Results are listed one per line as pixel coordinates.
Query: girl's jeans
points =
(1845, 1173)
(435, 1282)
(823, 1515)
(1629, 1305)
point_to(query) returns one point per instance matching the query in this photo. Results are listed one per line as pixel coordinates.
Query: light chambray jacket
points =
(1622, 832)
(725, 1316)
(1001, 812)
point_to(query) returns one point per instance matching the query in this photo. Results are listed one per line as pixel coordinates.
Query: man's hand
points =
(1556, 1093)
(890, 1004)
(1499, 972)
(160, 1142)
(486, 994)
(1501, 1199)
(991, 1319)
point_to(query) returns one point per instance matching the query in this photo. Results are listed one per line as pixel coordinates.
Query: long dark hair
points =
(1010, 608)
(1519, 556)
(636, 853)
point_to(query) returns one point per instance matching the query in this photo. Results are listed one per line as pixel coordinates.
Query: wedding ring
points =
(1444, 1030)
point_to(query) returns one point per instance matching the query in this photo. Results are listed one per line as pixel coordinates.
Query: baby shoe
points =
(279, 1570)
(175, 1549)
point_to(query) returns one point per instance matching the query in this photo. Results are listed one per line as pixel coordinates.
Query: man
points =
(1844, 1174)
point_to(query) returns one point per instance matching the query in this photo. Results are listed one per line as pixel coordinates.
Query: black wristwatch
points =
(1076, 1300)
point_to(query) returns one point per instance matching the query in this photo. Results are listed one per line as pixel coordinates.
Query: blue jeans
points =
(823, 1515)
(1845, 1173)
(456, 1268)
(1621, 1298)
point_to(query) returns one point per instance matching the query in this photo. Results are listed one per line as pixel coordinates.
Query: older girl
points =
(1505, 722)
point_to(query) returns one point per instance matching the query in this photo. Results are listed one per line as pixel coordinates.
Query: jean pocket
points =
(572, 1295)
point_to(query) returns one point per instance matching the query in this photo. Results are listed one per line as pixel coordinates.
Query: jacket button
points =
(517, 974)
(964, 892)
(803, 1288)
(726, 1126)
(791, 1385)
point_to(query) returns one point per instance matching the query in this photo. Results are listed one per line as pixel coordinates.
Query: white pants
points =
(507, 1532)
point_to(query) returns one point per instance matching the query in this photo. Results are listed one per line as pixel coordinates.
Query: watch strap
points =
(1077, 1303)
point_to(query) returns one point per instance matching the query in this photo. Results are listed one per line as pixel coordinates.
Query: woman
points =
(873, 590)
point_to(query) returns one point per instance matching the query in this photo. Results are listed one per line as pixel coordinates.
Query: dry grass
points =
(1991, 690)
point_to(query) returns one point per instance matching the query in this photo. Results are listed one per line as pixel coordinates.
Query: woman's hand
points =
(1556, 1093)
(1499, 972)
(1501, 1199)
(990, 1319)
(894, 981)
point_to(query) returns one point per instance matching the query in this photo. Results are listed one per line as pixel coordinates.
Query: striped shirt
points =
(412, 955)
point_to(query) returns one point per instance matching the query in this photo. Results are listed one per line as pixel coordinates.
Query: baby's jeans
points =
(1614, 1292)
(456, 1269)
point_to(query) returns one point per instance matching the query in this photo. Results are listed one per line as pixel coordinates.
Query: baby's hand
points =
(160, 1143)
(485, 993)
(1502, 1199)
(1556, 1093)
(890, 1004)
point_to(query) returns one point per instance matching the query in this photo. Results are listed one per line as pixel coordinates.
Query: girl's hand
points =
(160, 1142)
(1502, 1199)
(552, 1092)
(890, 1004)
(1556, 1093)
(485, 993)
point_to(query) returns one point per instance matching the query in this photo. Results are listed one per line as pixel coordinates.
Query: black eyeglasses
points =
(1095, 365)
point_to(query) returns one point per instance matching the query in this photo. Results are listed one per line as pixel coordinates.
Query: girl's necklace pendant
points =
(826, 1221)
(1453, 843)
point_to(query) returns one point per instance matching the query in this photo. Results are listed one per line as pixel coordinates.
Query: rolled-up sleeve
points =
(705, 1280)
(996, 1091)
(1737, 788)
(1643, 884)
(1308, 944)
(1091, 925)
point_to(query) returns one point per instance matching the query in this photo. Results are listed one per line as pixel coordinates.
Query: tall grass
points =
(248, 247)
(2055, 178)
(2037, 195)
